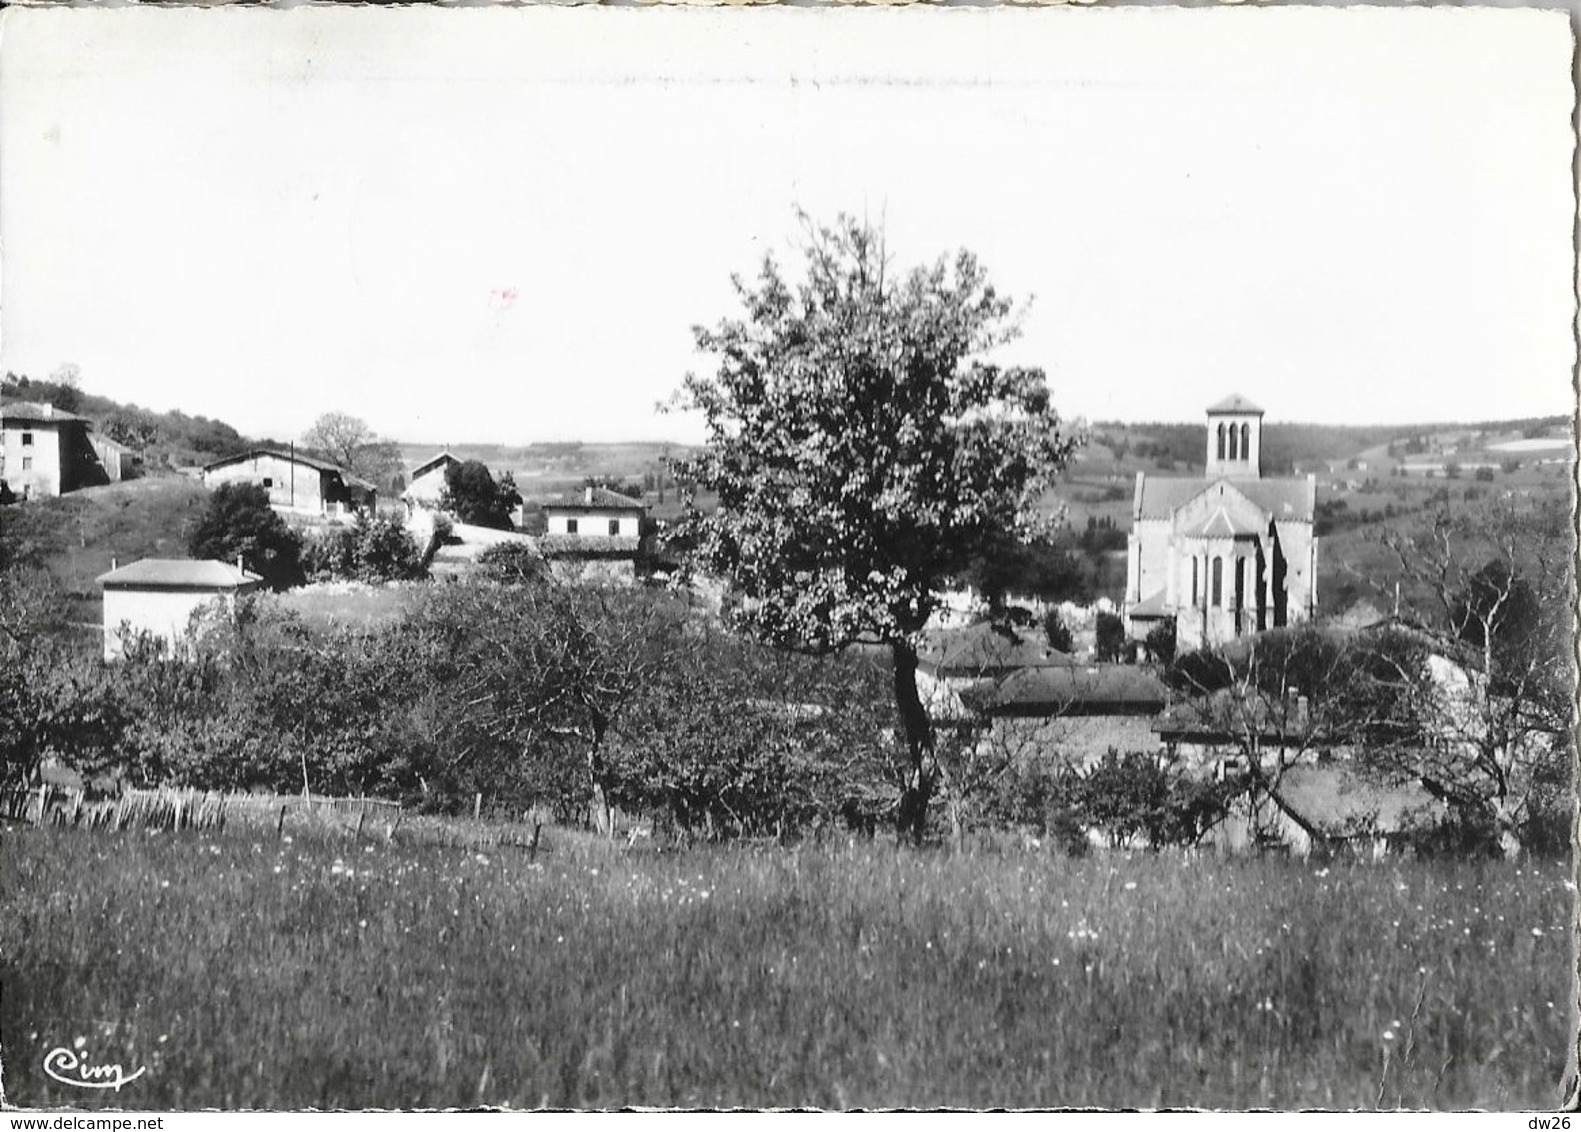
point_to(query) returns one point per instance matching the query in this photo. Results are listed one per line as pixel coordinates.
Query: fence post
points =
(477, 806)
(364, 817)
(279, 829)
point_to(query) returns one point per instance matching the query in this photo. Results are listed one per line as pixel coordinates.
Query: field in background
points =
(249, 972)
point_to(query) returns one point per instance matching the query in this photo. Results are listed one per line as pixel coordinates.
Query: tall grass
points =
(245, 972)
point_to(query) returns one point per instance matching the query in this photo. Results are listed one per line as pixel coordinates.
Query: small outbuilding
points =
(159, 596)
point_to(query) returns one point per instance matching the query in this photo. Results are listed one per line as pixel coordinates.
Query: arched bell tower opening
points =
(1235, 440)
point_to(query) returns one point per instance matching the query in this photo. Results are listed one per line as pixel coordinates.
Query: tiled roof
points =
(1229, 713)
(984, 647)
(592, 499)
(157, 573)
(431, 463)
(1095, 689)
(1290, 500)
(1234, 403)
(301, 458)
(1151, 606)
(33, 411)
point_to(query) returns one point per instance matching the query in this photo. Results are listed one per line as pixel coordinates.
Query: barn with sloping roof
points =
(1225, 555)
(295, 481)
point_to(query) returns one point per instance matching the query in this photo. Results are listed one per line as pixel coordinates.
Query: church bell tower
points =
(1235, 440)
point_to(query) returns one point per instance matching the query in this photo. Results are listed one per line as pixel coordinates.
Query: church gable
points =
(1220, 510)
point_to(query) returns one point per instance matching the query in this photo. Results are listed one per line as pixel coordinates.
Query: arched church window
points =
(1235, 437)
(1221, 442)
(1194, 590)
(1218, 582)
(1246, 442)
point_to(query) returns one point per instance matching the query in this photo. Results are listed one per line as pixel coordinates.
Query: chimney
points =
(239, 565)
(587, 494)
(49, 409)
(112, 563)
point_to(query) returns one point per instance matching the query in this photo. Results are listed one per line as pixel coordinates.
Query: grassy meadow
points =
(248, 972)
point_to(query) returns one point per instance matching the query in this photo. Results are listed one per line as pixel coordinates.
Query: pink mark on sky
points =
(504, 296)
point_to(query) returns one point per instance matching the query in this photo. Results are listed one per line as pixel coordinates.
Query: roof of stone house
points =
(99, 440)
(592, 499)
(433, 462)
(328, 467)
(1071, 690)
(37, 413)
(1151, 606)
(1229, 714)
(983, 647)
(1234, 403)
(180, 573)
(1290, 499)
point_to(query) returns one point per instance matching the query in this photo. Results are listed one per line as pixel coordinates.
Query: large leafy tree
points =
(239, 523)
(474, 496)
(863, 444)
(349, 442)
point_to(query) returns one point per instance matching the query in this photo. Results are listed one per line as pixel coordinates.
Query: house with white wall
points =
(45, 451)
(160, 596)
(593, 531)
(295, 482)
(426, 482)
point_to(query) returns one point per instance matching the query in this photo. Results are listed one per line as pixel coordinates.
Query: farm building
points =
(426, 482)
(295, 482)
(45, 451)
(1226, 555)
(159, 596)
(119, 461)
(953, 660)
(593, 533)
(1074, 712)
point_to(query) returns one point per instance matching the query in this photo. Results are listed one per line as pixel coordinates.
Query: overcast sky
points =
(500, 225)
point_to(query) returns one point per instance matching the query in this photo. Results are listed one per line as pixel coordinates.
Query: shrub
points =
(1110, 636)
(513, 563)
(376, 548)
(1059, 636)
(1161, 641)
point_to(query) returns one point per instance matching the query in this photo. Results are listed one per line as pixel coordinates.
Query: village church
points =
(1225, 555)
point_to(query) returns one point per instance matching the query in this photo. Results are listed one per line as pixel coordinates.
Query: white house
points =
(1225, 555)
(45, 450)
(159, 596)
(594, 532)
(426, 482)
(594, 512)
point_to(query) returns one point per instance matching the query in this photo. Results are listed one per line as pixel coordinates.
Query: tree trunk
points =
(912, 817)
(1504, 824)
(603, 818)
